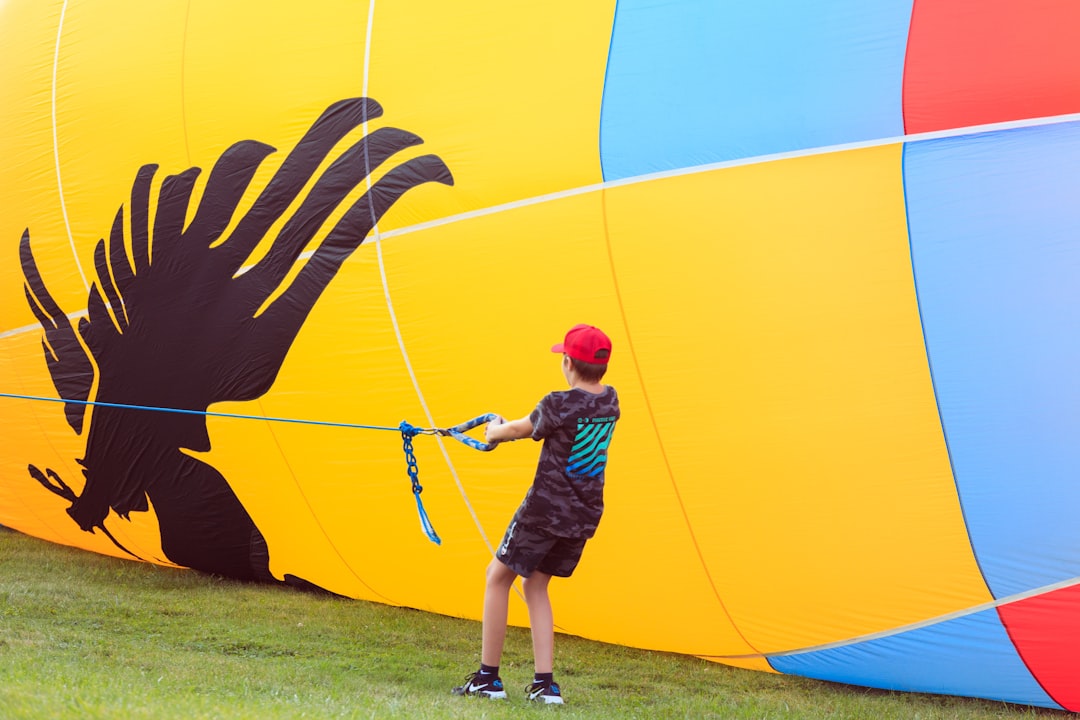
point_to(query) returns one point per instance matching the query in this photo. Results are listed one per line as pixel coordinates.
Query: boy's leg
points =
(486, 682)
(496, 608)
(541, 619)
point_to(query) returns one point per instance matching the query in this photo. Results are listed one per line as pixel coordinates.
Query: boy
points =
(559, 513)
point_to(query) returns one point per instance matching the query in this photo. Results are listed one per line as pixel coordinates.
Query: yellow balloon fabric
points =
(779, 484)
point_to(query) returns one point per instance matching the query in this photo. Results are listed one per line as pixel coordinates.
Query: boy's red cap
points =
(587, 344)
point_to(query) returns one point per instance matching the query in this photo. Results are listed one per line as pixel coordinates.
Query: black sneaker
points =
(545, 692)
(480, 686)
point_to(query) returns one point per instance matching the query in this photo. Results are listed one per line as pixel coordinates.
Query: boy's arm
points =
(496, 431)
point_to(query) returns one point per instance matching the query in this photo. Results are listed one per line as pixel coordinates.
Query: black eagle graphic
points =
(176, 323)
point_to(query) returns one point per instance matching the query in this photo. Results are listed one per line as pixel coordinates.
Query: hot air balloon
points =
(836, 246)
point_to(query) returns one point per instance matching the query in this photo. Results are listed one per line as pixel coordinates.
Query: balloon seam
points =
(389, 300)
(56, 147)
(659, 438)
(603, 93)
(930, 369)
(680, 172)
(903, 78)
(911, 627)
(314, 517)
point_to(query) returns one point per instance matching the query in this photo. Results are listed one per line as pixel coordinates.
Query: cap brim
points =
(557, 348)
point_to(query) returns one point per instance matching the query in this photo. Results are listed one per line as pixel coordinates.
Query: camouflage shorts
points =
(525, 549)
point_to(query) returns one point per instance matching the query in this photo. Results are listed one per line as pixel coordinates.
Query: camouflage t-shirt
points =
(567, 495)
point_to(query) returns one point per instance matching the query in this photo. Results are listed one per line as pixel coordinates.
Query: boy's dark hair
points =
(589, 372)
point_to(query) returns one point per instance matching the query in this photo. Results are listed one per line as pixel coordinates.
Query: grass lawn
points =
(86, 636)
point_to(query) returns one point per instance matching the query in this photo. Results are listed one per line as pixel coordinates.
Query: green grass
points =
(85, 636)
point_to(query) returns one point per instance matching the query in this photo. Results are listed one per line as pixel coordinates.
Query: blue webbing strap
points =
(458, 432)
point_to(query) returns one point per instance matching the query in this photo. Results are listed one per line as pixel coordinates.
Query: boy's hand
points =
(492, 424)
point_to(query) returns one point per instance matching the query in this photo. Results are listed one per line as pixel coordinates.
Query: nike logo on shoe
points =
(547, 694)
(476, 687)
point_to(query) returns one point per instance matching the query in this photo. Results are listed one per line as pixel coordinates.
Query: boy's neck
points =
(590, 387)
(576, 381)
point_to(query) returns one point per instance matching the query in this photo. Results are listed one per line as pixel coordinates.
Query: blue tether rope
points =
(408, 432)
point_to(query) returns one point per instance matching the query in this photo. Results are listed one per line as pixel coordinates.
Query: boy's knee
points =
(535, 583)
(499, 574)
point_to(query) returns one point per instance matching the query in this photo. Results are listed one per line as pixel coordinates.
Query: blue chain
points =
(408, 432)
